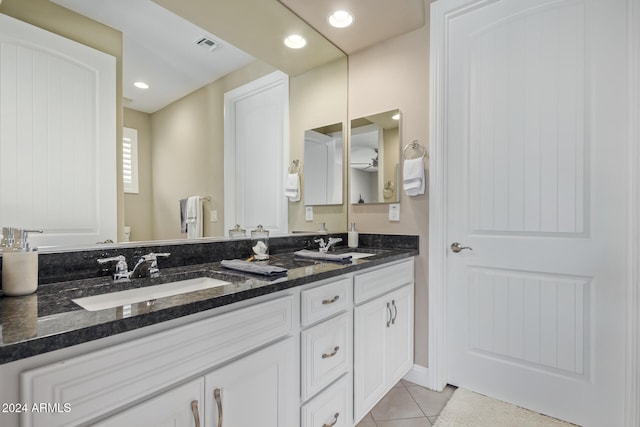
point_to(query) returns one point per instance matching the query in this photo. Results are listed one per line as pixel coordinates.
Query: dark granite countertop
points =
(49, 320)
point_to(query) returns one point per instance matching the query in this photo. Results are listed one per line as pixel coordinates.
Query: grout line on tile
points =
(417, 404)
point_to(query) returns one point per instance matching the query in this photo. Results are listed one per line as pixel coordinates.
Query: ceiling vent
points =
(206, 43)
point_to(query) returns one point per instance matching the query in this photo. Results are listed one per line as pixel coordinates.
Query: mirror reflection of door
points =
(366, 142)
(255, 137)
(323, 166)
(375, 145)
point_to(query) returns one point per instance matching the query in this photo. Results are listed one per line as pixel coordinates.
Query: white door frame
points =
(441, 13)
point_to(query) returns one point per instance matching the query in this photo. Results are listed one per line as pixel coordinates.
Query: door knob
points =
(455, 247)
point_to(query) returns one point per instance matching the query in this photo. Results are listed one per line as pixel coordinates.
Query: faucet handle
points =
(152, 256)
(122, 269)
(154, 271)
(162, 254)
(320, 242)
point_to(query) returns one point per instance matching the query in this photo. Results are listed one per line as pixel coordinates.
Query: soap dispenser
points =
(352, 236)
(19, 262)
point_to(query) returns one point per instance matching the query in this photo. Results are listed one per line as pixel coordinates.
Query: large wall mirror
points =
(374, 158)
(181, 145)
(323, 175)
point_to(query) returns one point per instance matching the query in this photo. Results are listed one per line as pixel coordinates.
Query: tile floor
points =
(407, 405)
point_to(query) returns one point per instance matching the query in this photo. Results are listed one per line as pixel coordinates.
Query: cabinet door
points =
(181, 406)
(400, 338)
(370, 332)
(260, 389)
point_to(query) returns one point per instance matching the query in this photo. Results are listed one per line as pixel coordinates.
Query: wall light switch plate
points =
(308, 213)
(213, 216)
(394, 212)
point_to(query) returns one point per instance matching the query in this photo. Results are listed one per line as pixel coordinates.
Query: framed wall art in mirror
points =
(374, 158)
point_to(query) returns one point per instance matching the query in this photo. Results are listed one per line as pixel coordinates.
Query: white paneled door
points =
(256, 138)
(57, 136)
(534, 133)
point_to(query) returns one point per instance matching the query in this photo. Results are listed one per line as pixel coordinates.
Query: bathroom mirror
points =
(323, 165)
(155, 216)
(374, 158)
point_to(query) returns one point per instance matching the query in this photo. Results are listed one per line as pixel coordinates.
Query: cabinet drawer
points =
(103, 381)
(380, 281)
(326, 353)
(333, 404)
(324, 301)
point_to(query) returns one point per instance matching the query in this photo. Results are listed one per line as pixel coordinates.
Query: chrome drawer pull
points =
(216, 394)
(196, 414)
(335, 351)
(331, 301)
(335, 420)
(390, 315)
(395, 314)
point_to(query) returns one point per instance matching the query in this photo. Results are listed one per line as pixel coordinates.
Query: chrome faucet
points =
(122, 270)
(147, 266)
(324, 247)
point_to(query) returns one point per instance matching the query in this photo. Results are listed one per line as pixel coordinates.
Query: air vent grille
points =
(207, 43)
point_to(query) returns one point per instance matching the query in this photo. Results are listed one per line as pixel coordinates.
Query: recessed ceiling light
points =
(396, 116)
(141, 85)
(295, 41)
(340, 19)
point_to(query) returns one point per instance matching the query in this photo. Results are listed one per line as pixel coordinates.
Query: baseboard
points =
(419, 375)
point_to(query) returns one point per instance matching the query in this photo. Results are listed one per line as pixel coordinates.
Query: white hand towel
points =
(413, 177)
(292, 187)
(194, 217)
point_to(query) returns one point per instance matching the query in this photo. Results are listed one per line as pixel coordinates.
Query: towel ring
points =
(295, 166)
(415, 145)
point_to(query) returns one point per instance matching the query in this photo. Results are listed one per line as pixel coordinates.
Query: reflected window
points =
(130, 160)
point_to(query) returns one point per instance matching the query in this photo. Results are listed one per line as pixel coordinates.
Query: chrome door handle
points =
(216, 394)
(196, 415)
(335, 420)
(395, 312)
(390, 315)
(335, 351)
(455, 247)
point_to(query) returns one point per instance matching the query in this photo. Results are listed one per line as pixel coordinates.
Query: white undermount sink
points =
(132, 296)
(358, 255)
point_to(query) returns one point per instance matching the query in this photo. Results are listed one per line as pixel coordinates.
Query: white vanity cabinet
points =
(309, 356)
(126, 376)
(260, 389)
(383, 330)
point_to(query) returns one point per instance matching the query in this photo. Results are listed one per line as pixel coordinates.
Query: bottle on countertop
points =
(352, 236)
(19, 262)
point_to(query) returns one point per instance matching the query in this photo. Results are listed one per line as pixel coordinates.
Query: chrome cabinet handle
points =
(390, 315)
(335, 351)
(335, 420)
(216, 394)
(331, 301)
(455, 247)
(196, 414)
(395, 312)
